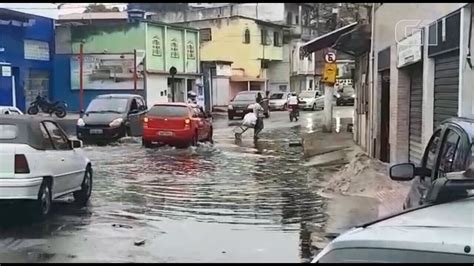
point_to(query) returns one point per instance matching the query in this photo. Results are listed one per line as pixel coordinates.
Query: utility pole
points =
(81, 78)
(329, 79)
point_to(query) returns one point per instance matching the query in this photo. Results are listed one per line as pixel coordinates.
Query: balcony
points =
(305, 33)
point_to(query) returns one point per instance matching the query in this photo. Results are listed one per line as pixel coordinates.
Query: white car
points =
(39, 163)
(278, 100)
(308, 99)
(10, 110)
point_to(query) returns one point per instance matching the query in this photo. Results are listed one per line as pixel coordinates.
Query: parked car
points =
(449, 150)
(278, 100)
(10, 110)
(178, 124)
(112, 116)
(438, 233)
(39, 163)
(308, 99)
(242, 104)
(345, 96)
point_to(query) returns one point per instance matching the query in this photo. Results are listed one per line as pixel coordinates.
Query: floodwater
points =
(227, 202)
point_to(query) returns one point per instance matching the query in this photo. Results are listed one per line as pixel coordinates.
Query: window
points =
(174, 48)
(282, 87)
(141, 103)
(134, 105)
(276, 39)
(156, 46)
(46, 141)
(169, 111)
(264, 36)
(60, 142)
(451, 159)
(205, 35)
(247, 36)
(190, 50)
(8, 131)
(289, 18)
(429, 158)
(310, 83)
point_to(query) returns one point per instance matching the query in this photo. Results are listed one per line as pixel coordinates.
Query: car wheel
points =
(60, 112)
(82, 196)
(33, 110)
(146, 143)
(42, 206)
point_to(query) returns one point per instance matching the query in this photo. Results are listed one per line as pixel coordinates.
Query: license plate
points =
(96, 131)
(165, 133)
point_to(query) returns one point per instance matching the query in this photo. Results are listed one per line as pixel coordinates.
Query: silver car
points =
(436, 233)
(308, 99)
(10, 110)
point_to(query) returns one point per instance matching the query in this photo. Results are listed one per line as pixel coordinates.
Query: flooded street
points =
(227, 202)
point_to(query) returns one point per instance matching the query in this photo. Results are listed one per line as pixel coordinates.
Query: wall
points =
(157, 89)
(12, 40)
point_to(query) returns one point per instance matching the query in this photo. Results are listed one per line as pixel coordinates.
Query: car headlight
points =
(230, 107)
(338, 96)
(353, 95)
(80, 122)
(117, 122)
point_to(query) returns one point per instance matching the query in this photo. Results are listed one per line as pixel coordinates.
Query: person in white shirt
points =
(258, 111)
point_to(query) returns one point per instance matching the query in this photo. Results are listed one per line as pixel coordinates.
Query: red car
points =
(177, 124)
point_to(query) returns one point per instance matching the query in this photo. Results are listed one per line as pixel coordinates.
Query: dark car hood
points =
(101, 118)
(241, 103)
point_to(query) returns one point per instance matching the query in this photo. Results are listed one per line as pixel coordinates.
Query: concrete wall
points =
(390, 21)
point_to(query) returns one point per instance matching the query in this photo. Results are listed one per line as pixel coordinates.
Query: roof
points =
(327, 40)
(29, 131)
(238, 78)
(258, 21)
(118, 95)
(447, 227)
(95, 16)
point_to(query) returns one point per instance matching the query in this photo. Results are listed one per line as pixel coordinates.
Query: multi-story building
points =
(26, 52)
(112, 52)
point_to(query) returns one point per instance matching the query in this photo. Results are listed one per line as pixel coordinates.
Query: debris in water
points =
(139, 243)
(122, 226)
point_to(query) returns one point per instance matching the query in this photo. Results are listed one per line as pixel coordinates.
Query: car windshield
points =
(276, 96)
(245, 97)
(307, 94)
(169, 111)
(107, 105)
(8, 131)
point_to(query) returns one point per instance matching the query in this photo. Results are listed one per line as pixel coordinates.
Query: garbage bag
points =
(249, 120)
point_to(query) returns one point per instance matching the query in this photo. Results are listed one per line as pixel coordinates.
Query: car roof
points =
(119, 95)
(447, 227)
(29, 131)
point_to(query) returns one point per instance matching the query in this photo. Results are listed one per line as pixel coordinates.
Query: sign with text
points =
(36, 50)
(409, 50)
(108, 71)
(330, 73)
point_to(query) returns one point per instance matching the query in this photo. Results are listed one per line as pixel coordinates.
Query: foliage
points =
(93, 8)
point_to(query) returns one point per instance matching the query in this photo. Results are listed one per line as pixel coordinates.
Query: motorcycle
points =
(294, 113)
(41, 103)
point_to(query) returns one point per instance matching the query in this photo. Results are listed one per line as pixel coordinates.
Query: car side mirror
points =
(76, 144)
(402, 172)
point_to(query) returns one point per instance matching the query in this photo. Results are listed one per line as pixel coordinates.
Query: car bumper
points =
(183, 136)
(238, 112)
(108, 133)
(306, 106)
(20, 188)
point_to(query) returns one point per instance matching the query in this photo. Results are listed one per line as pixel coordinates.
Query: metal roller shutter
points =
(416, 102)
(446, 87)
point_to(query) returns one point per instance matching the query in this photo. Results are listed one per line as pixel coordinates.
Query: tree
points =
(92, 8)
(156, 7)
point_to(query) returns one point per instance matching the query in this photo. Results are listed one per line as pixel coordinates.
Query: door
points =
(446, 87)
(453, 152)
(385, 118)
(66, 171)
(136, 114)
(415, 124)
(202, 123)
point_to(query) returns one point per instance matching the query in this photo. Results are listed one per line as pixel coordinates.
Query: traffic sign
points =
(330, 57)
(330, 73)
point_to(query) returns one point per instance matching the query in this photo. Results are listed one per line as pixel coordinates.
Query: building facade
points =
(113, 51)
(26, 57)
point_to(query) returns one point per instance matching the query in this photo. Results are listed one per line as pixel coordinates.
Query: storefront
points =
(26, 48)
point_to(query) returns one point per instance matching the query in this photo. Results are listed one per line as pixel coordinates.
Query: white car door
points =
(67, 172)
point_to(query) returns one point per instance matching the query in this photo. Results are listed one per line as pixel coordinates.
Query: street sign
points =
(330, 73)
(330, 57)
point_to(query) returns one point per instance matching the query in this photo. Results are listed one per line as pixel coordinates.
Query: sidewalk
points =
(358, 188)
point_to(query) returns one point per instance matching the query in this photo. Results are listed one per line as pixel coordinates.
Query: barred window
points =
(190, 50)
(174, 48)
(156, 46)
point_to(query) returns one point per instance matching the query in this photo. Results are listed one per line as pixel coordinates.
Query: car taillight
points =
(187, 123)
(21, 164)
(145, 122)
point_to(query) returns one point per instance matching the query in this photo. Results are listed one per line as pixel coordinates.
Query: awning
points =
(327, 40)
(355, 42)
(236, 78)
